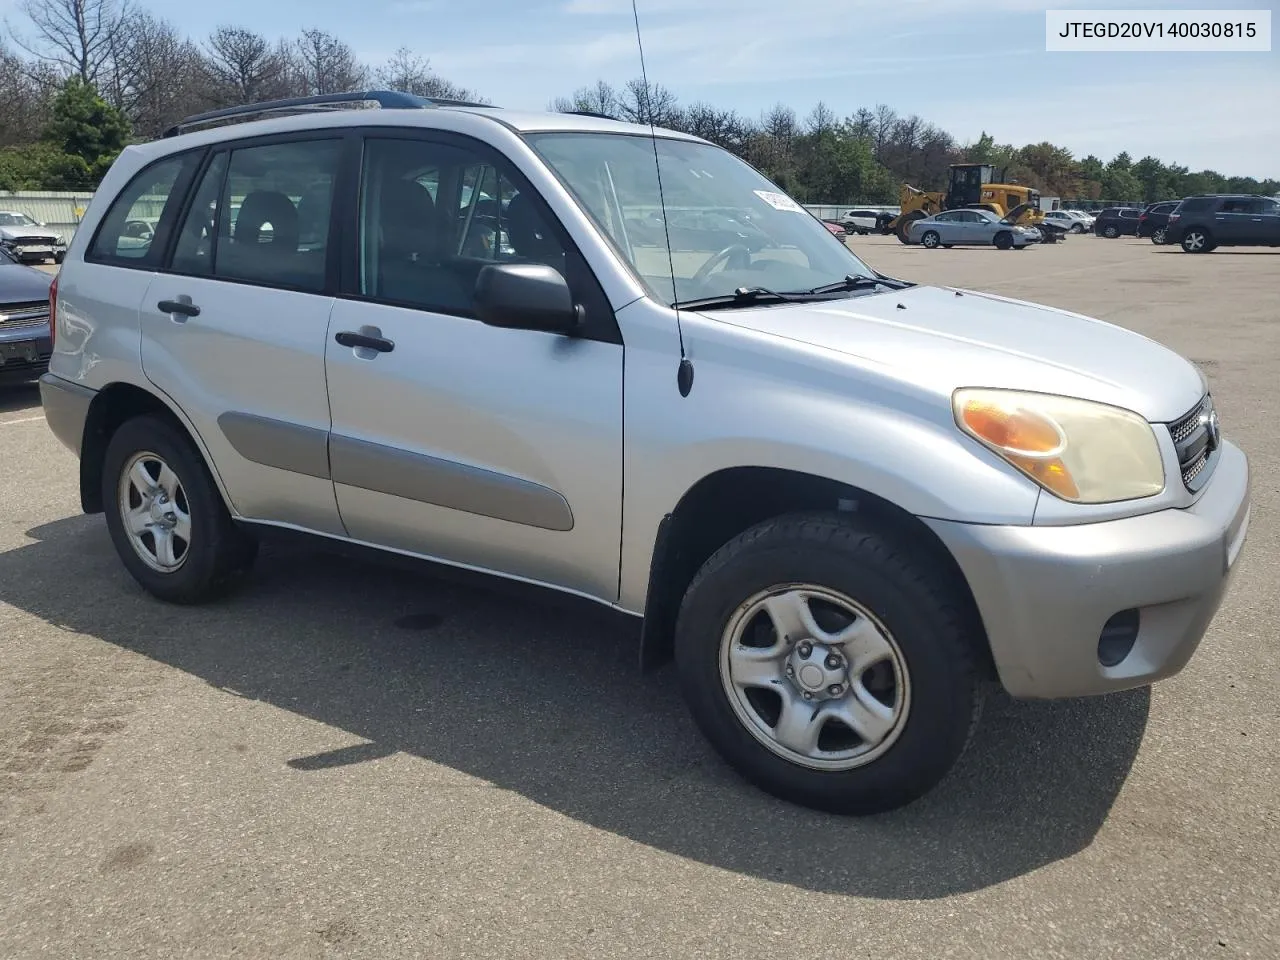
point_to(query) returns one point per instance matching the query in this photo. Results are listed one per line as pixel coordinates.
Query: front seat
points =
(256, 255)
(529, 235)
(411, 247)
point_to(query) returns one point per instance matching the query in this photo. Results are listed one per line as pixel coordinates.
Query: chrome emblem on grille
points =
(1213, 432)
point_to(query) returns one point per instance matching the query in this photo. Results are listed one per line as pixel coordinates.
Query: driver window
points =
(432, 215)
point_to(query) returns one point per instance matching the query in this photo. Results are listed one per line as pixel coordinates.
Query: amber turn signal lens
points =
(1012, 428)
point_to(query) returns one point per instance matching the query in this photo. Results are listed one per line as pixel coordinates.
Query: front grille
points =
(1196, 440)
(33, 241)
(33, 314)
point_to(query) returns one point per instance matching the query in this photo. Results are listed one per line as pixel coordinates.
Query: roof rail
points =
(591, 113)
(386, 99)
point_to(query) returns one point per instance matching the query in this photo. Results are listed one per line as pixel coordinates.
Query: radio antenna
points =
(684, 373)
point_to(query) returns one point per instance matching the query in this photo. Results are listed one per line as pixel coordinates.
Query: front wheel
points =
(1110, 232)
(827, 665)
(1158, 237)
(166, 517)
(1003, 241)
(930, 240)
(1077, 228)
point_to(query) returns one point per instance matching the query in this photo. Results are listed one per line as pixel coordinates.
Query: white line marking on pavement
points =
(5, 423)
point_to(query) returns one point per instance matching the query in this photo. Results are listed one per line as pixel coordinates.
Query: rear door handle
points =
(350, 338)
(182, 307)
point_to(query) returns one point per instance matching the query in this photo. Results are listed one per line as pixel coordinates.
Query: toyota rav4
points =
(842, 502)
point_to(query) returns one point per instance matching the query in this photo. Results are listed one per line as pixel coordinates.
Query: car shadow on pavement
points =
(549, 703)
(19, 396)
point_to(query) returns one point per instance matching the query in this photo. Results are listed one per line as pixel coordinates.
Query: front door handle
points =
(351, 338)
(182, 307)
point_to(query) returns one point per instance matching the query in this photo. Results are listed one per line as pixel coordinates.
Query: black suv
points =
(1200, 224)
(1115, 222)
(1155, 219)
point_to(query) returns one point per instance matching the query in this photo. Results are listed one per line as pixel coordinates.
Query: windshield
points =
(15, 220)
(729, 227)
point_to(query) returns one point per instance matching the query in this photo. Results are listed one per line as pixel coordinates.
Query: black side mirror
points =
(525, 296)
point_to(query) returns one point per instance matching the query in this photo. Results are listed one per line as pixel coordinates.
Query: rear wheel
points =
(1003, 241)
(166, 516)
(827, 665)
(931, 240)
(1197, 240)
(1077, 228)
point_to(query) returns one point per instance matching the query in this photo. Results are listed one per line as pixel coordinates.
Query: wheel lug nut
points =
(790, 670)
(808, 695)
(833, 662)
(806, 648)
(835, 689)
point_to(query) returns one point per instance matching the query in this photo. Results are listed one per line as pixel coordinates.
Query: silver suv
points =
(500, 342)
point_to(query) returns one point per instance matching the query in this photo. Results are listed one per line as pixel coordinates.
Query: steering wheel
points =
(736, 250)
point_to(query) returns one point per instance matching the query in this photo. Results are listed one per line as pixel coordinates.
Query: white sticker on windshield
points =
(779, 201)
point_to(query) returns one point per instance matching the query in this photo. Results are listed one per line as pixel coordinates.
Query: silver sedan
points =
(971, 228)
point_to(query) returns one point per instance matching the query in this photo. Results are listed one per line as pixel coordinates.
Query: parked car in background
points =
(860, 222)
(1201, 224)
(30, 241)
(1115, 222)
(969, 228)
(1153, 220)
(837, 230)
(24, 320)
(1084, 217)
(1065, 220)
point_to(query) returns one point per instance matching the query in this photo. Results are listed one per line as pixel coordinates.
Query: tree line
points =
(85, 77)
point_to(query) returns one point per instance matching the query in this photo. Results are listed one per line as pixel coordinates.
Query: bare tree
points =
(326, 64)
(723, 127)
(821, 120)
(76, 36)
(23, 109)
(158, 76)
(886, 117)
(601, 98)
(649, 103)
(243, 67)
(410, 73)
(780, 124)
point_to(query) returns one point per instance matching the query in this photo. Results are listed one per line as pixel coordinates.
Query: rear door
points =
(1233, 221)
(234, 327)
(1264, 222)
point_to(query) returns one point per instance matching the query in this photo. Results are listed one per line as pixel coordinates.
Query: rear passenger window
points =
(132, 232)
(261, 214)
(1237, 206)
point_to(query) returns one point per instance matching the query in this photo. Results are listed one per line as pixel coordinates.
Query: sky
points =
(965, 66)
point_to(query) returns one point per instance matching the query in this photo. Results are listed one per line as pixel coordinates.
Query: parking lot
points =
(346, 760)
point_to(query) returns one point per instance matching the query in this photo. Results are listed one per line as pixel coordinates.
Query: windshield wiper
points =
(744, 297)
(859, 283)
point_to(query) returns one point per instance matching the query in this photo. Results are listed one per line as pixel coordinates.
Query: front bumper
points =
(1045, 593)
(24, 351)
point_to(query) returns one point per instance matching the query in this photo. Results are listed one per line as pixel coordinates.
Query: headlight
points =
(1078, 450)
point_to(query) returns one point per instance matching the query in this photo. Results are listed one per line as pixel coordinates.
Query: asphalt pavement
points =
(350, 760)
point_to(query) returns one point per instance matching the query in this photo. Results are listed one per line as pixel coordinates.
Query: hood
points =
(941, 341)
(22, 284)
(28, 231)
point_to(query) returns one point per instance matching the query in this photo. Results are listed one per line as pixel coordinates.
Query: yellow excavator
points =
(973, 186)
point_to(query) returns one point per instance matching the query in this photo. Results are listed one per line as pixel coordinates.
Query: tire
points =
(1158, 237)
(910, 613)
(216, 551)
(931, 240)
(1196, 240)
(1003, 241)
(1077, 228)
(1110, 231)
(903, 229)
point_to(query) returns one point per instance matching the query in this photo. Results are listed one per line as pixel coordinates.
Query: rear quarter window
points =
(141, 216)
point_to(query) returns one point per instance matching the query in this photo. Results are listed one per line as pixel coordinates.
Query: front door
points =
(234, 330)
(490, 448)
